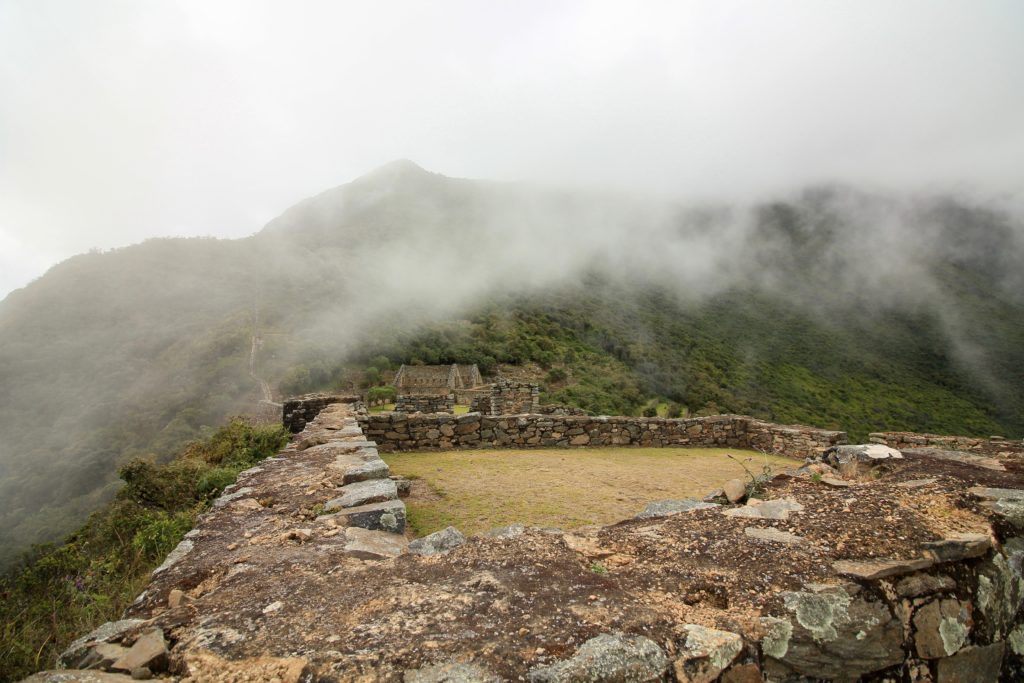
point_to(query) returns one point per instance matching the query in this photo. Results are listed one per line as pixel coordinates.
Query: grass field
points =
(567, 488)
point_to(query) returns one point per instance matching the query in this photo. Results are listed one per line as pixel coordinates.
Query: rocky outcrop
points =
(400, 432)
(994, 445)
(911, 571)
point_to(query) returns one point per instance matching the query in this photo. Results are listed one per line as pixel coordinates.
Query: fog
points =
(125, 120)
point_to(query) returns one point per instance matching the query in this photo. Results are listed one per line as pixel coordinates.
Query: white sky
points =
(121, 120)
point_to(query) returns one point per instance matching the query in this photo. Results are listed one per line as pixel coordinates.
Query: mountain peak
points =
(399, 168)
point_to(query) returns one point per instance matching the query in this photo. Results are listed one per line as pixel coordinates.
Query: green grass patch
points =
(478, 490)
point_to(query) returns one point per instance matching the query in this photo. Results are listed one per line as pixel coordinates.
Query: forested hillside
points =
(833, 308)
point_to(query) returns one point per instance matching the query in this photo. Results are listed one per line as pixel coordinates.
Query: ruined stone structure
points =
(299, 411)
(507, 398)
(867, 564)
(411, 380)
(425, 403)
(400, 432)
(993, 445)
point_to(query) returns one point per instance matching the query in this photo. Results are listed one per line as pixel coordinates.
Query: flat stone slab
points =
(387, 516)
(986, 493)
(373, 545)
(371, 469)
(835, 483)
(870, 570)
(773, 535)
(916, 483)
(958, 547)
(958, 456)
(363, 493)
(769, 509)
(664, 508)
(867, 452)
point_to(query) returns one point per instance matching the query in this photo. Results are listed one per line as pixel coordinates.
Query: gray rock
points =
(664, 508)
(71, 657)
(77, 676)
(958, 547)
(403, 485)
(838, 635)
(608, 658)
(987, 493)
(373, 545)
(363, 493)
(972, 665)
(735, 490)
(773, 535)
(872, 570)
(769, 509)
(706, 653)
(149, 650)
(374, 468)
(863, 453)
(510, 531)
(437, 542)
(941, 628)
(924, 584)
(1001, 588)
(387, 516)
(450, 673)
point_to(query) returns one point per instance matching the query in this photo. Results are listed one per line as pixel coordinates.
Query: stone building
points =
(435, 380)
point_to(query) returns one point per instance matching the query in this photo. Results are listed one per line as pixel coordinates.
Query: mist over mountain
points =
(834, 307)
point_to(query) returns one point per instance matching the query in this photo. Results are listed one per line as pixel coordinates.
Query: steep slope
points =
(834, 308)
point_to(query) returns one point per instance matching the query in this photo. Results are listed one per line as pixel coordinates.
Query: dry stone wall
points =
(995, 445)
(401, 432)
(423, 403)
(508, 398)
(299, 411)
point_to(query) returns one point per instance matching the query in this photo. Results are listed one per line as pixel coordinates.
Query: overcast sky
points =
(122, 120)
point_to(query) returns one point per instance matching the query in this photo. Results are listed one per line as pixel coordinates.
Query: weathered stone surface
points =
(972, 665)
(608, 658)
(735, 490)
(510, 531)
(865, 453)
(363, 493)
(839, 635)
(450, 673)
(924, 584)
(374, 468)
(988, 493)
(835, 483)
(387, 516)
(958, 547)
(1001, 587)
(941, 628)
(871, 570)
(437, 542)
(663, 508)
(769, 509)
(705, 654)
(148, 650)
(72, 657)
(959, 456)
(773, 535)
(373, 545)
(402, 485)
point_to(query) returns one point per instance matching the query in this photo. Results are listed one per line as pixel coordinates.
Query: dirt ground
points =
(475, 491)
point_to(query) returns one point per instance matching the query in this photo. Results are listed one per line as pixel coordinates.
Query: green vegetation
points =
(57, 593)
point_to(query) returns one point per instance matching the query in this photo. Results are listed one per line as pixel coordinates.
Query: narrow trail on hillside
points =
(266, 410)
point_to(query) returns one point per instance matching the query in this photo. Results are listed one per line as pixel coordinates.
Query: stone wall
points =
(423, 403)
(995, 445)
(508, 398)
(299, 411)
(402, 432)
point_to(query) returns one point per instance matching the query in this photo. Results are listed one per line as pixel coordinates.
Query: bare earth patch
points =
(566, 488)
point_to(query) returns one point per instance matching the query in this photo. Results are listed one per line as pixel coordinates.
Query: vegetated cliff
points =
(834, 308)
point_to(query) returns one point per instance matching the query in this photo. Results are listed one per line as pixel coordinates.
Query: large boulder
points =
(437, 542)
